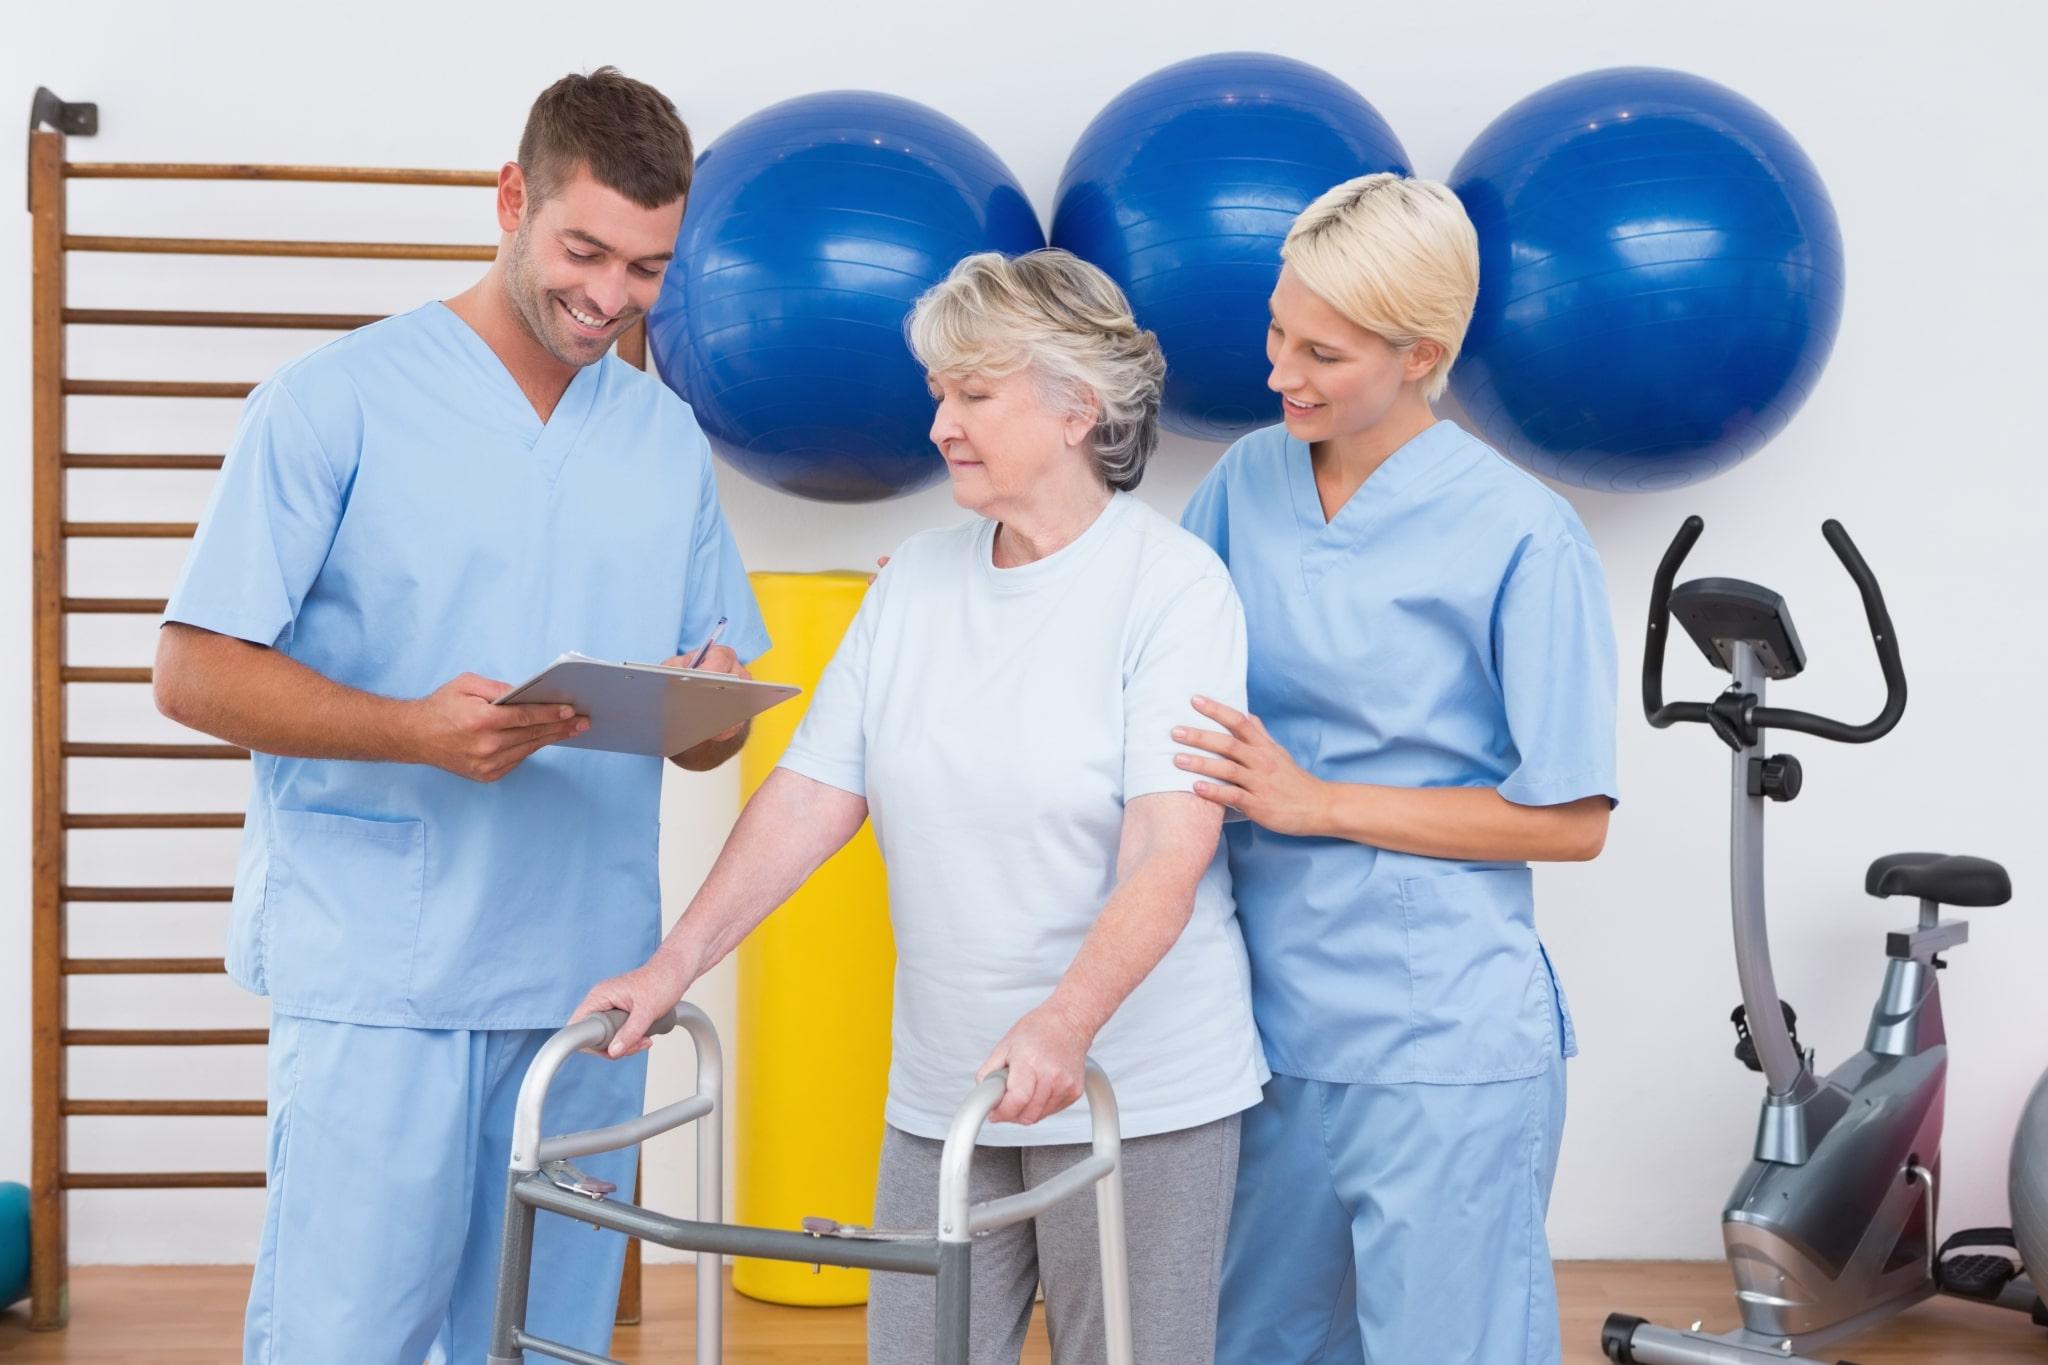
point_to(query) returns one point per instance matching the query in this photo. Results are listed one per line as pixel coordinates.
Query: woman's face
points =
(1334, 377)
(1001, 439)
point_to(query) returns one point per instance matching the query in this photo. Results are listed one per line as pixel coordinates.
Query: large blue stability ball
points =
(1183, 189)
(812, 228)
(1660, 280)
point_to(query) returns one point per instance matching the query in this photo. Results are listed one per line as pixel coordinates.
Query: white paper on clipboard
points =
(646, 708)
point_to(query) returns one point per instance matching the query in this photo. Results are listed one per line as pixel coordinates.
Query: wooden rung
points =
(163, 1180)
(130, 530)
(224, 246)
(142, 966)
(155, 820)
(176, 317)
(134, 894)
(104, 675)
(98, 1109)
(115, 606)
(81, 461)
(347, 175)
(164, 1037)
(153, 388)
(152, 751)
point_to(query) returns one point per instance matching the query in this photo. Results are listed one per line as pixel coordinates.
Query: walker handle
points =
(529, 1149)
(614, 1020)
(960, 1221)
(595, 1032)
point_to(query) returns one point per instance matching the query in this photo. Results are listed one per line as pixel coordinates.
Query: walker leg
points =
(953, 1294)
(515, 1265)
(1116, 1270)
(710, 1131)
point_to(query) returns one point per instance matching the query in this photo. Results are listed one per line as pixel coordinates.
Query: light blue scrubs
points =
(392, 513)
(1449, 627)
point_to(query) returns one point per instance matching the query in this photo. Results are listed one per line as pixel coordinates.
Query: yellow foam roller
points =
(814, 990)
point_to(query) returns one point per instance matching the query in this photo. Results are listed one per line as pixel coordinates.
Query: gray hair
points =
(1054, 315)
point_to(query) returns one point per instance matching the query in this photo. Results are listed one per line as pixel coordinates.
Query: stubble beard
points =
(536, 308)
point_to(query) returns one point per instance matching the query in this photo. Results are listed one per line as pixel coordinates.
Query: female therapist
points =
(1432, 690)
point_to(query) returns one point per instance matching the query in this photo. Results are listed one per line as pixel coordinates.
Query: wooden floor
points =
(186, 1315)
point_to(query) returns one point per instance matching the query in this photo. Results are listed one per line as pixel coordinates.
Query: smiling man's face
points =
(586, 263)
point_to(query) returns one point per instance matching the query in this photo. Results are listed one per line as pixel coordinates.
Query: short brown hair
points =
(625, 132)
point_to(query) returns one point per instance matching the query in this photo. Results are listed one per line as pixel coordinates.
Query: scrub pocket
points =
(1481, 1003)
(341, 914)
(1567, 1032)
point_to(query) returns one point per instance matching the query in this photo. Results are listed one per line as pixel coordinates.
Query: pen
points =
(709, 640)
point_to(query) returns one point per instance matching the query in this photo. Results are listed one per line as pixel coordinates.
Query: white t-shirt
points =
(997, 720)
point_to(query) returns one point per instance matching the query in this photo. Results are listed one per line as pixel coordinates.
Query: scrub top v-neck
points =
(1448, 626)
(550, 441)
(392, 513)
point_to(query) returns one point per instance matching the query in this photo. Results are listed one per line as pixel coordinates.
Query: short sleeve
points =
(1207, 514)
(830, 744)
(1554, 645)
(268, 526)
(718, 583)
(1194, 646)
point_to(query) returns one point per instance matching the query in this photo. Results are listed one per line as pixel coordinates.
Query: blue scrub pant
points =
(387, 1188)
(1394, 1224)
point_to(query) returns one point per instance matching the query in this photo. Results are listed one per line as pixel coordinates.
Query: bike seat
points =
(1956, 880)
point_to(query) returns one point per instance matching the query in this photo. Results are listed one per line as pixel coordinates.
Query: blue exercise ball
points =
(812, 228)
(1182, 189)
(1660, 280)
(13, 1243)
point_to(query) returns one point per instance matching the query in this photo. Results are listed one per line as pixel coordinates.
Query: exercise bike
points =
(1831, 1228)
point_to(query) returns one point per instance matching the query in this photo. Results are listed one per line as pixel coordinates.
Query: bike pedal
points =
(1975, 1274)
(1745, 1045)
(1978, 1276)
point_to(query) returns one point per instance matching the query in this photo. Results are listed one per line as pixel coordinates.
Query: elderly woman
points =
(1001, 707)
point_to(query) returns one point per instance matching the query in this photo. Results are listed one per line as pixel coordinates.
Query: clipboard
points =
(646, 708)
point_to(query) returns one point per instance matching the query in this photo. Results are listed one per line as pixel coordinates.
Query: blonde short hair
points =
(1395, 255)
(1050, 313)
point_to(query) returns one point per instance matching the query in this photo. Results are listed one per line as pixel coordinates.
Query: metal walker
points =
(541, 1178)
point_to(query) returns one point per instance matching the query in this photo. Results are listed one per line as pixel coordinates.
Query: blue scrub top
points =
(1447, 628)
(393, 513)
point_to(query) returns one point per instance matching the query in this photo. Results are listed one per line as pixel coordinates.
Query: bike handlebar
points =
(1661, 713)
(1654, 707)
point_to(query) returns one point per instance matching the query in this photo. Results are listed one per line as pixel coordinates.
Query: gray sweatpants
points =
(1177, 1193)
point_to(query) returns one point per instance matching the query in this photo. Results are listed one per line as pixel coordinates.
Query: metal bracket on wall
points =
(73, 120)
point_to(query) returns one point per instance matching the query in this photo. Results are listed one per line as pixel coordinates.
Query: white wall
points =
(1920, 438)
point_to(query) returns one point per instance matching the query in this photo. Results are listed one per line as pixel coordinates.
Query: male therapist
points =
(409, 517)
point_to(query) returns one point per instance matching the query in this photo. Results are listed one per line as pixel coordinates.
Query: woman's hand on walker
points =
(1047, 1054)
(645, 994)
(1253, 773)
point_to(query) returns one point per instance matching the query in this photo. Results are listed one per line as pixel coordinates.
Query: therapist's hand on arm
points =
(791, 825)
(251, 695)
(1251, 772)
(1167, 843)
